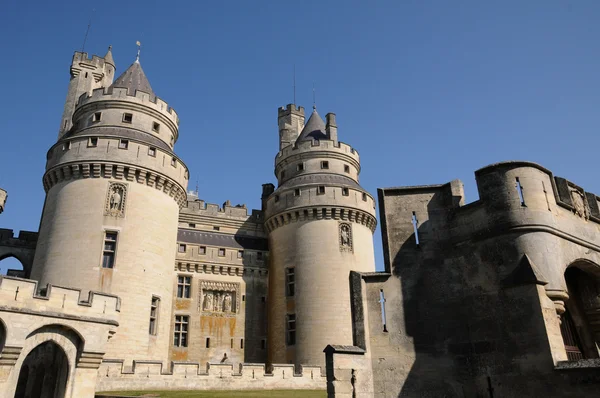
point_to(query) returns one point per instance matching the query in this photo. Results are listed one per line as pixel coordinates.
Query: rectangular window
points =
(216, 228)
(346, 168)
(242, 343)
(192, 225)
(364, 197)
(291, 329)
(93, 141)
(324, 164)
(184, 286)
(259, 256)
(153, 315)
(152, 151)
(123, 144)
(96, 116)
(127, 118)
(172, 141)
(182, 248)
(208, 342)
(297, 192)
(110, 248)
(221, 252)
(174, 162)
(290, 282)
(321, 190)
(181, 331)
(202, 250)
(67, 146)
(231, 343)
(345, 191)
(300, 167)
(240, 254)
(155, 127)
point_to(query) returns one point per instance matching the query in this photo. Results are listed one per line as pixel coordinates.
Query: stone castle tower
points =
(320, 223)
(114, 187)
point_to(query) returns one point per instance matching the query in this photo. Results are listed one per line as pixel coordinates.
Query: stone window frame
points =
(127, 118)
(96, 117)
(290, 282)
(155, 127)
(222, 250)
(154, 312)
(324, 164)
(240, 254)
(290, 329)
(181, 330)
(202, 250)
(66, 146)
(321, 190)
(123, 144)
(345, 191)
(92, 142)
(300, 166)
(297, 192)
(346, 169)
(184, 286)
(111, 252)
(152, 151)
(181, 248)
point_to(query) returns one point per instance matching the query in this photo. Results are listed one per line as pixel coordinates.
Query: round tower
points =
(114, 188)
(321, 224)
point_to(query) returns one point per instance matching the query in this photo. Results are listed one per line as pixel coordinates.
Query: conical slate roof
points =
(133, 79)
(314, 129)
(108, 58)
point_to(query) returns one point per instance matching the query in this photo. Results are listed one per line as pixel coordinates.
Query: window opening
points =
(321, 190)
(259, 256)
(93, 141)
(297, 192)
(290, 279)
(96, 116)
(127, 118)
(221, 252)
(202, 250)
(242, 343)
(240, 254)
(184, 286)
(110, 248)
(415, 224)
(182, 248)
(192, 225)
(181, 331)
(123, 144)
(152, 151)
(155, 127)
(520, 191)
(300, 167)
(383, 318)
(208, 342)
(216, 228)
(345, 191)
(291, 329)
(346, 169)
(153, 315)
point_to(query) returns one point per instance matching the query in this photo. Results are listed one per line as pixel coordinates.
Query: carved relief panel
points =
(115, 199)
(580, 203)
(219, 298)
(345, 232)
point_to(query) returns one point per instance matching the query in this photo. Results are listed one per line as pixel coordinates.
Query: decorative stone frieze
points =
(219, 298)
(115, 199)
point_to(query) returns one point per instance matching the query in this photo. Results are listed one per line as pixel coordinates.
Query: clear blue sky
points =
(427, 91)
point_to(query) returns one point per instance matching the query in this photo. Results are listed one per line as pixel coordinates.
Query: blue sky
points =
(426, 91)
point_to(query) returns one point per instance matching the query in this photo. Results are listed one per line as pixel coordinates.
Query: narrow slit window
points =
(153, 315)
(110, 249)
(383, 318)
(242, 343)
(290, 282)
(184, 286)
(520, 191)
(127, 117)
(67, 146)
(208, 342)
(231, 343)
(263, 344)
(181, 331)
(415, 223)
(291, 329)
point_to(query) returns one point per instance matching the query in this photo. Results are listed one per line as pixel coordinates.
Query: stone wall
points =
(22, 247)
(148, 375)
(475, 292)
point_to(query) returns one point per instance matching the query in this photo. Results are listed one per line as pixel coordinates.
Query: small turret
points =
(110, 67)
(291, 122)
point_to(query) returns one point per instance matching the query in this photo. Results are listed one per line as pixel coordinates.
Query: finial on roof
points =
(314, 98)
(137, 58)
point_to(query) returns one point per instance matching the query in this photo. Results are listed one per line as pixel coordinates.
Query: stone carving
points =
(219, 298)
(115, 199)
(582, 209)
(346, 237)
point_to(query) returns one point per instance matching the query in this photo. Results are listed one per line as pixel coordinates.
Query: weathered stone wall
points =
(80, 328)
(478, 298)
(148, 375)
(21, 247)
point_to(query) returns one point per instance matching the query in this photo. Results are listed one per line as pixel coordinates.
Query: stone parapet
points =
(151, 375)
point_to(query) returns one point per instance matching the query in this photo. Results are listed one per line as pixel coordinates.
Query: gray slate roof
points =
(134, 79)
(222, 240)
(314, 129)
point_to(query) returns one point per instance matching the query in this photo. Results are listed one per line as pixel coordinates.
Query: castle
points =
(134, 283)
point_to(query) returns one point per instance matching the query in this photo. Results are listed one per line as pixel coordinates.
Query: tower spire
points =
(137, 58)
(314, 98)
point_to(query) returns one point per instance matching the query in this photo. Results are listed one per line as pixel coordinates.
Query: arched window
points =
(11, 266)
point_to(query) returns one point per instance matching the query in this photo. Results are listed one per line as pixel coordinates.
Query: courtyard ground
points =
(217, 394)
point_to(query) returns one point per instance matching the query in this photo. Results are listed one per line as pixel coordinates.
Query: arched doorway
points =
(44, 372)
(580, 324)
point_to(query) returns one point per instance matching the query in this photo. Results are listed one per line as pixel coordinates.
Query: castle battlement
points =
(512, 195)
(311, 145)
(122, 94)
(83, 58)
(212, 376)
(65, 302)
(200, 207)
(290, 108)
(24, 237)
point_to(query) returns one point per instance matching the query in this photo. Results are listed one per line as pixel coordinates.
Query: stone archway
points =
(44, 372)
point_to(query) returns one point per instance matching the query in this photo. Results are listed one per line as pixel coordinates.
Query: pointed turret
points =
(134, 79)
(108, 58)
(314, 128)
